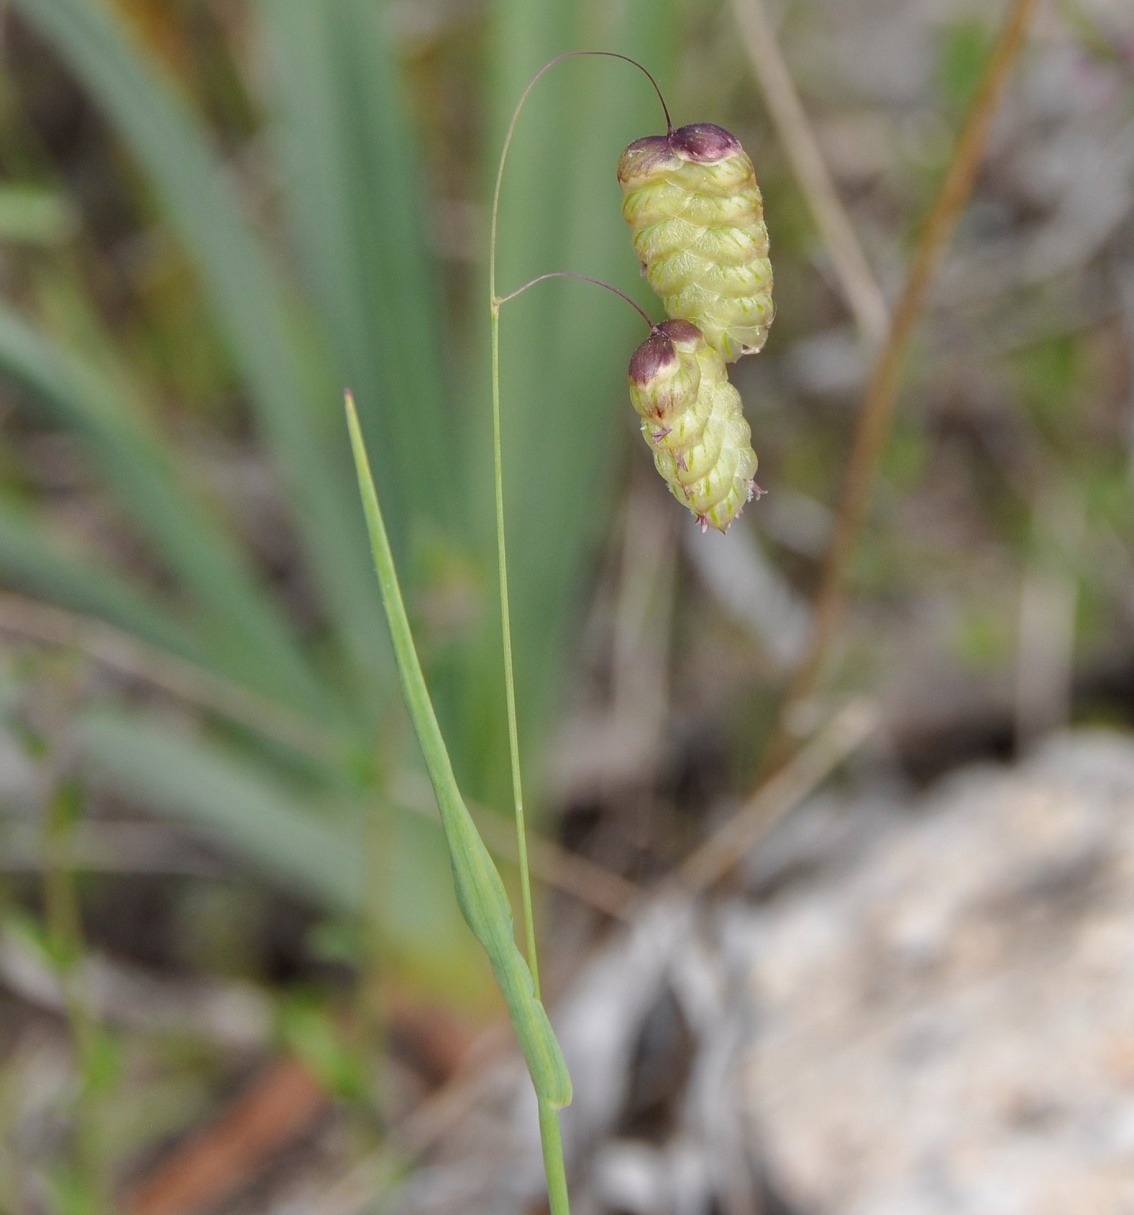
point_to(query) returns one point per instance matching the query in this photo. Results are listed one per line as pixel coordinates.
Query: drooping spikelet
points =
(697, 219)
(693, 422)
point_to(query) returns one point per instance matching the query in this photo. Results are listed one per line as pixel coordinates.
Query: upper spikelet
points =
(693, 422)
(697, 219)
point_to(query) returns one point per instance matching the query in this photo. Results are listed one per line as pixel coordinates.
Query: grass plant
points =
(281, 767)
(480, 891)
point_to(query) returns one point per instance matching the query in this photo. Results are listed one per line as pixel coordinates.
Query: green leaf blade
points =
(480, 891)
(254, 304)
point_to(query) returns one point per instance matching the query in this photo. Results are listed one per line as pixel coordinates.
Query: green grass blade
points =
(317, 840)
(31, 559)
(247, 638)
(33, 215)
(347, 143)
(250, 297)
(480, 892)
(245, 810)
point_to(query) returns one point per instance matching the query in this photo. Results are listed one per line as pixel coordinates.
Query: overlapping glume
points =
(697, 219)
(693, 423)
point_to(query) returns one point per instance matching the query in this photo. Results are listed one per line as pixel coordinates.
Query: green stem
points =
(494, 303)
(552, 1140)
(502, 569)
(584, 278)
(509, 677)
(548, 1110)
(548, 1117)
(480, 892)
(64, 926)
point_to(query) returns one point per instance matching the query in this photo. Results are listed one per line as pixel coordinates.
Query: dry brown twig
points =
(281, 1104)
(863, 295)
(847, 730)
(873, 426)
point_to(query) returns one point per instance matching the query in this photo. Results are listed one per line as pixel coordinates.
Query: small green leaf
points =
(480, 892)
(308, 1028)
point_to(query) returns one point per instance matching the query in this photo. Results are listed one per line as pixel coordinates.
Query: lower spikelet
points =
(693, 422)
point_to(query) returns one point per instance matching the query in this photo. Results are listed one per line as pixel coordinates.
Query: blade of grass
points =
(253, 305)
(353, 187)
(164, 669)
(247, 638)
(307, 839)
(32, 559)
(246, 810)
(123, 652)
(480, 892)
(34, 215)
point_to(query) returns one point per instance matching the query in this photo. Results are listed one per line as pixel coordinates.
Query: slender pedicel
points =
(584, 278)
(512, 130)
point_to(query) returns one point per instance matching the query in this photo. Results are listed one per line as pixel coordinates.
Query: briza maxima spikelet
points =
(697, 219)
(693, 422)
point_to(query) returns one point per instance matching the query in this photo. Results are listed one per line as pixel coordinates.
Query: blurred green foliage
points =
(961, 58)
(296, 261)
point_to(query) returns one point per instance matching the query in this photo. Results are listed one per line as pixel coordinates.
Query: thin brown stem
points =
(848, 729)
(859, 285)
(874, 421)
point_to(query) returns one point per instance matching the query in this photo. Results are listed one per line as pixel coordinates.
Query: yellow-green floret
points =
(697, 218)
(693, 422)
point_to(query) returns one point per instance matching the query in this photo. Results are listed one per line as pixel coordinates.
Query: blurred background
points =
(233, 977)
